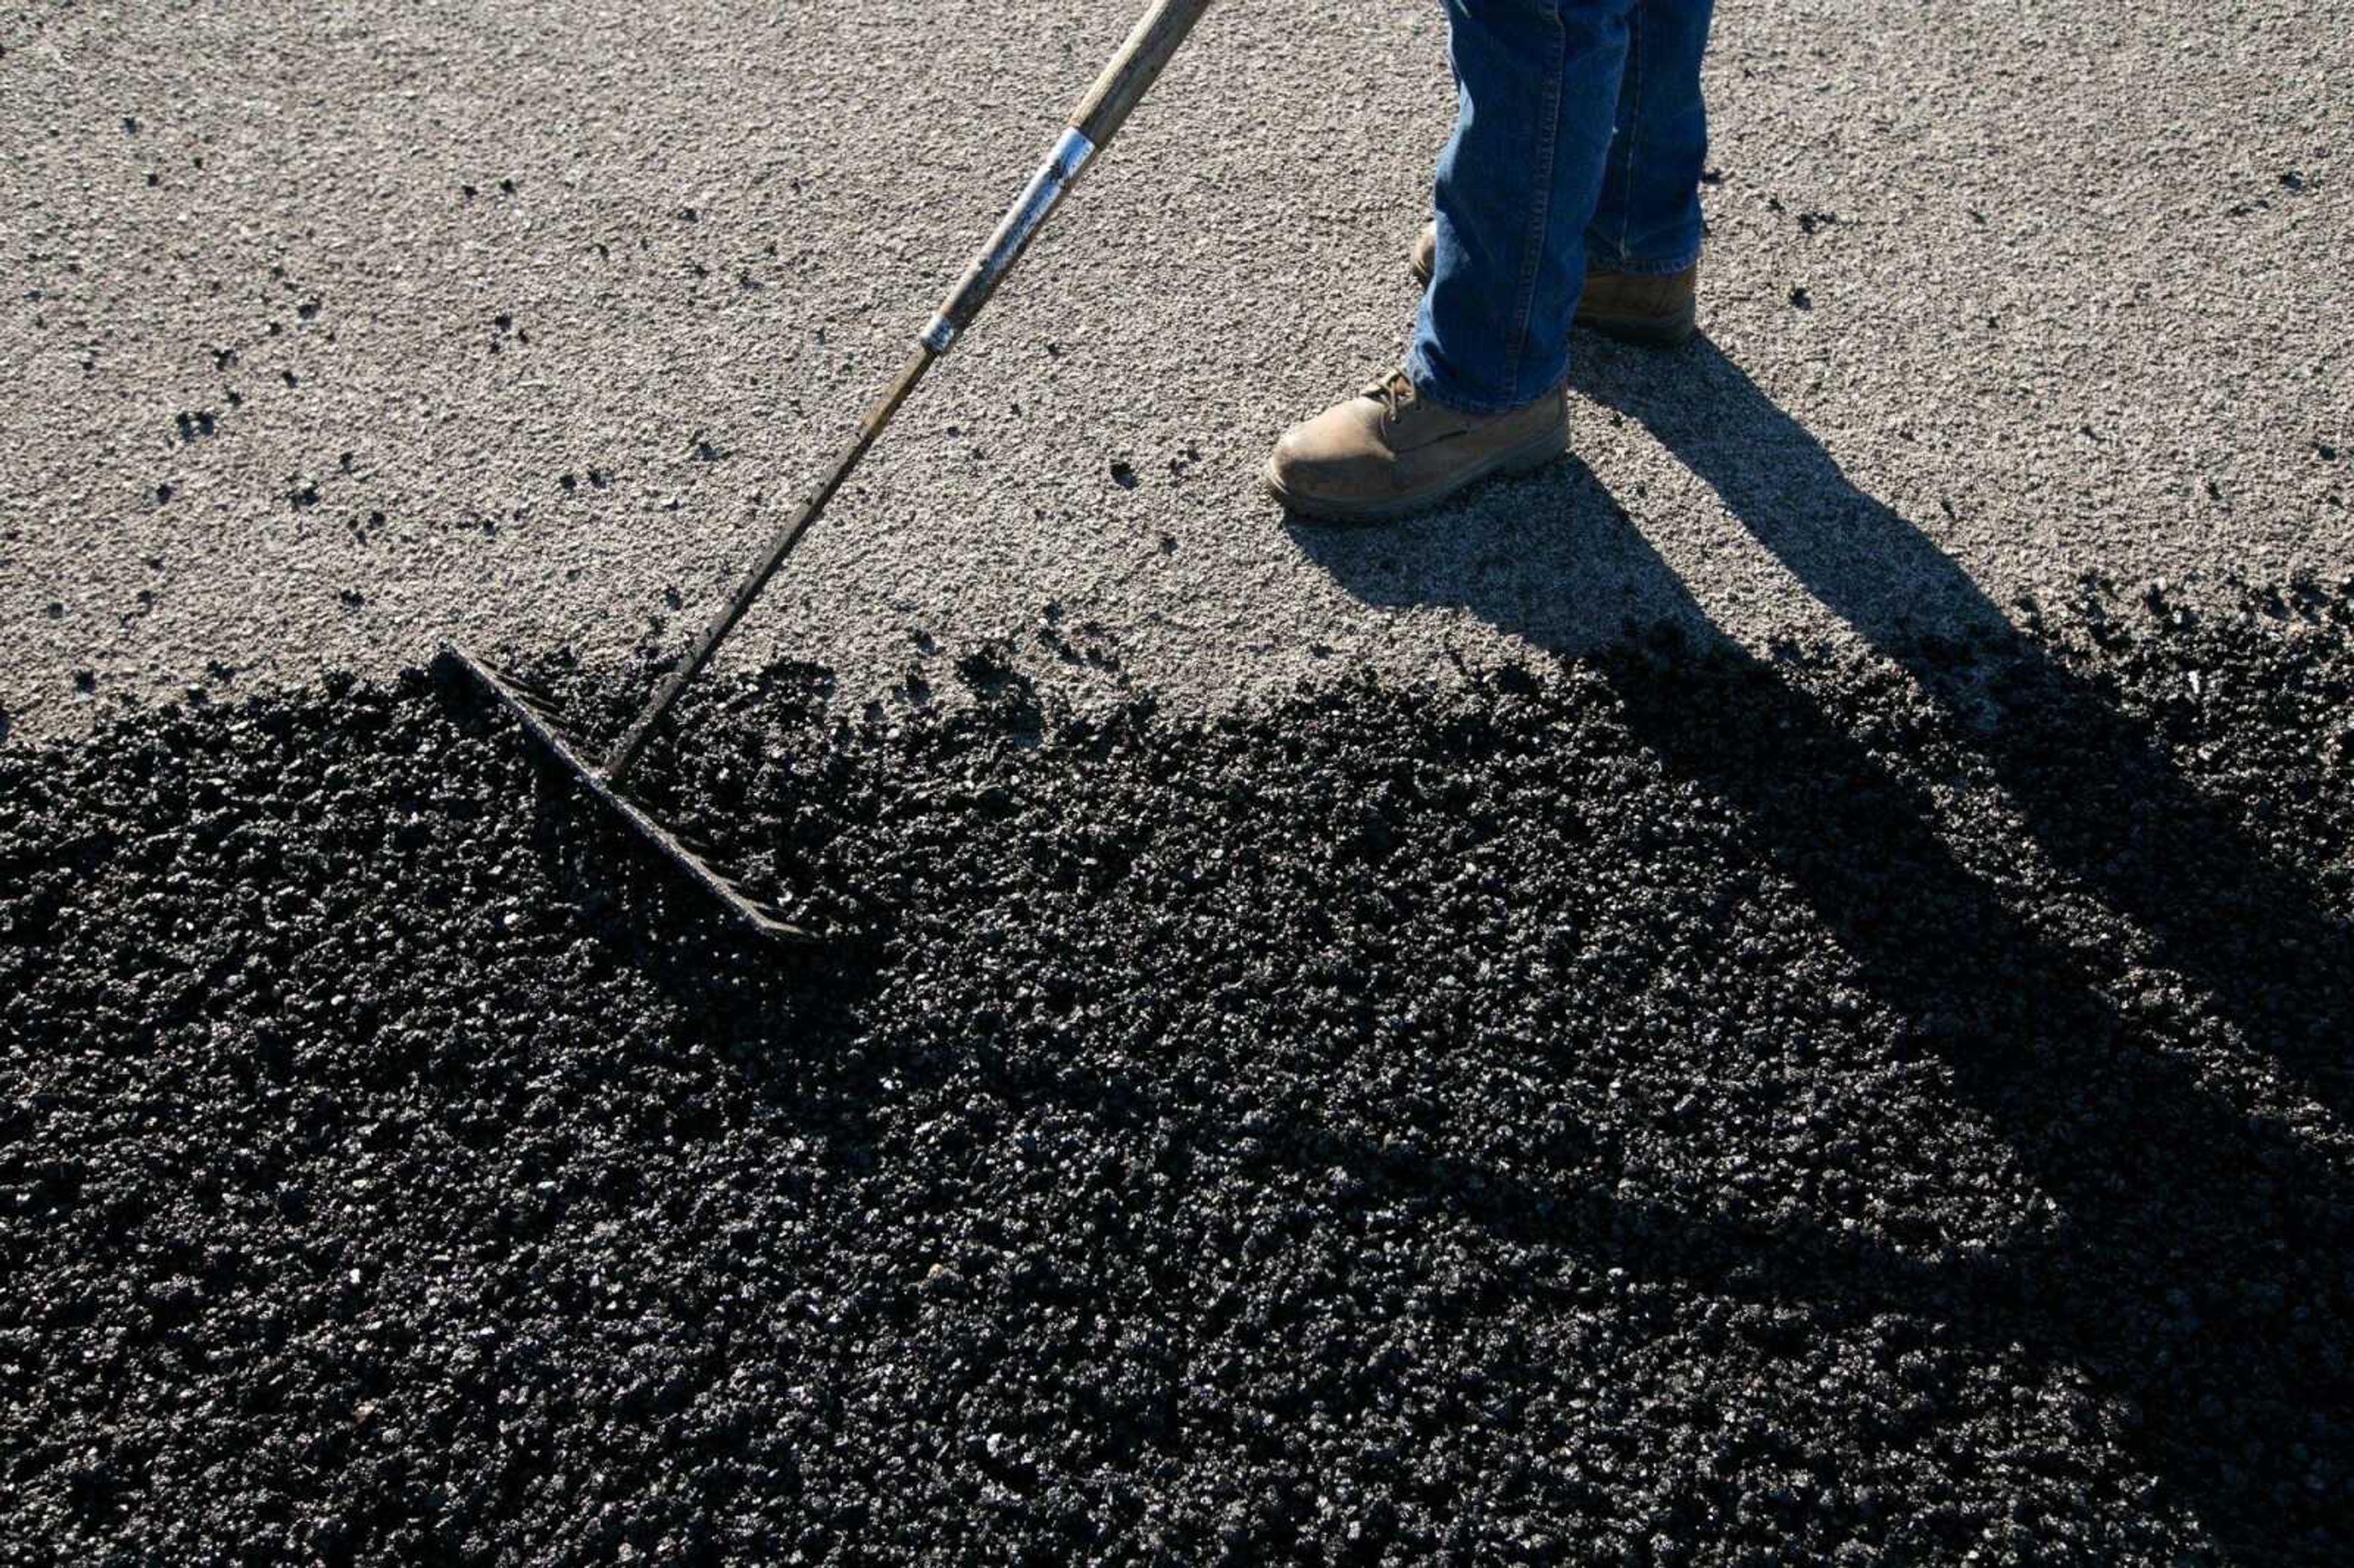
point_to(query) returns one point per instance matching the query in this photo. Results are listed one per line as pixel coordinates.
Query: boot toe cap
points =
(1328, 457)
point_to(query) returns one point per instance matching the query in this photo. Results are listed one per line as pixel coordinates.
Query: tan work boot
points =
(1649, 310)
(1388, 452)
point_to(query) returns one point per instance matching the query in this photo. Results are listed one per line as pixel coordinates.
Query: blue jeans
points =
(1579, 139)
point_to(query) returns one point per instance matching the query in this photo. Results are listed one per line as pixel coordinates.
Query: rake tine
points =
(524, 696)
(554, 746)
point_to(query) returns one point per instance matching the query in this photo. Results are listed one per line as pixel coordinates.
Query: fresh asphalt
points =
(1777, 994)
(1676, 1106)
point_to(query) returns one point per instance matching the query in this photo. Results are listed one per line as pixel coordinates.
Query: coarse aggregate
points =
(1674, 1104)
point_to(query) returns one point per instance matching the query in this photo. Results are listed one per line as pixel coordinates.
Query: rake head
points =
(550, 744)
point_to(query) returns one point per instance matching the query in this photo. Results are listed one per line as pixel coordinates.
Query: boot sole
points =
(1642, 332)
(1526, 458)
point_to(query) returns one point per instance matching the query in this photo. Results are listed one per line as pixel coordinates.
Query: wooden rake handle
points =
(1133, 70)
(1097, 120)
(1117, 92)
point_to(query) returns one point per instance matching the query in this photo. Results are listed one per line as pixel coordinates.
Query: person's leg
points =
(1537, 83)
(1647, 221)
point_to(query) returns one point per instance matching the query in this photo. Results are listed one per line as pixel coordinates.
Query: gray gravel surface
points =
(332, 330)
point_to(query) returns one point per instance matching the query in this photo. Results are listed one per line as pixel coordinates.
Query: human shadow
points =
(2194, 1269)
(2180, 865)
(2194, 1266)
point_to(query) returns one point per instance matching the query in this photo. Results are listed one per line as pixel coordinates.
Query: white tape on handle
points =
(1055, 176)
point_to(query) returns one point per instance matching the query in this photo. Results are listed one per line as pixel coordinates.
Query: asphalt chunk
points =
(1673, 1106)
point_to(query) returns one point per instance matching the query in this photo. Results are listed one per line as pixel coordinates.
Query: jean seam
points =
(1634, 122)
(1636, 266)
(1533, 235)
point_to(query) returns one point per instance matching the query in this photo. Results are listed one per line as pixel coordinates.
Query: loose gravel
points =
(1669, 1106)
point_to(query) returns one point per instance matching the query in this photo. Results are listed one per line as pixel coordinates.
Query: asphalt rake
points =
(1100, 113)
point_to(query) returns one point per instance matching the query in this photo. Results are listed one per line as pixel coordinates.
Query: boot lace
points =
(1392, 392)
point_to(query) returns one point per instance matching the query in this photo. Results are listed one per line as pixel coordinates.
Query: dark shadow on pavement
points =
(2173, 860)
(1504, 552)
(2197, 1263)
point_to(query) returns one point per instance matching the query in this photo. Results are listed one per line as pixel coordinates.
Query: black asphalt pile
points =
(1675, 1108)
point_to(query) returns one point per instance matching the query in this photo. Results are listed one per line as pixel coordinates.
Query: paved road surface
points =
(333, 330)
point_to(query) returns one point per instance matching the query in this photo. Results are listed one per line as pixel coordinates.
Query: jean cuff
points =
(1632, 267)
(1429, 388)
